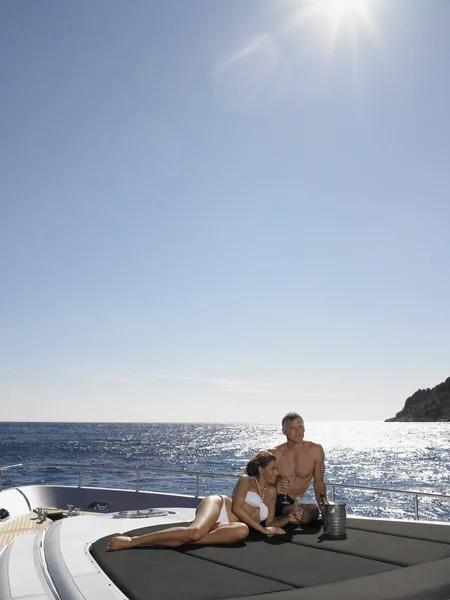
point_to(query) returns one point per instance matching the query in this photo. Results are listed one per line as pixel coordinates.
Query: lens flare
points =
(340, 9)
(343, 17)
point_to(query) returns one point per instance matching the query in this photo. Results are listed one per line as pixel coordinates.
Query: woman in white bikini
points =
(224, 520)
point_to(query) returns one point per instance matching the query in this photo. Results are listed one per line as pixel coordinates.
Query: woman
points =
(222, 520)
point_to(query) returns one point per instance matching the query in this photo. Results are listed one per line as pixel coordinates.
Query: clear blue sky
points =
(223, 210)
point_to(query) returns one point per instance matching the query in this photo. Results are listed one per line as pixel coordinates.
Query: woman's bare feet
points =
(121, 542)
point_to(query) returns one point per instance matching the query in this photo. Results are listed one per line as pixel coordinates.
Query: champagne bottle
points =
(323, 497)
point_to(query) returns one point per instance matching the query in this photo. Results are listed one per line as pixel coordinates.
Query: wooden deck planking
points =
(25, 524)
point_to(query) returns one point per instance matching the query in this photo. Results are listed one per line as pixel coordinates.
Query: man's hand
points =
(283, 486)
(295, 516)
(274, 531)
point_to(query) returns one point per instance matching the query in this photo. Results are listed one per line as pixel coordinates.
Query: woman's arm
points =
(282, 520)
(238, 508)
(239, 495)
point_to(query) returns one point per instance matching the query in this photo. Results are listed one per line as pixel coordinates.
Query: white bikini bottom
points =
(223, 517)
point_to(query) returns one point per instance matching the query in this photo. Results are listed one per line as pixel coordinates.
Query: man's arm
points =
(319, 472)
(282, 486)
(275, 451)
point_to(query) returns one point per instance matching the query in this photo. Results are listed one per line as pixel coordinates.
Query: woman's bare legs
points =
(202, 530)
(225, 533)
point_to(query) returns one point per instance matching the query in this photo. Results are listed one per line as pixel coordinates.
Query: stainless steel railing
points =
(137, 470)
(415, 495)
(198, 474)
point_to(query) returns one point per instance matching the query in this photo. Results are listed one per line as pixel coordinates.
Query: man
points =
(298, 461)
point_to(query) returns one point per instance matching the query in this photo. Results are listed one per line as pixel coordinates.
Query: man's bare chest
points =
(300, 465)
(304, 465)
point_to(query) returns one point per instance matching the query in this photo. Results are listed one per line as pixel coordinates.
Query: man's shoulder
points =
(277, 450)
(313, 447)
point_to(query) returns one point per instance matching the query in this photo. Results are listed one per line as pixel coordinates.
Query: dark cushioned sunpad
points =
(290, 563)
(377, 546)
(141, 573)
(433, 532)
(300, 565)
(429, 581)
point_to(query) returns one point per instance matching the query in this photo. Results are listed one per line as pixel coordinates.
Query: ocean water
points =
(399, 456)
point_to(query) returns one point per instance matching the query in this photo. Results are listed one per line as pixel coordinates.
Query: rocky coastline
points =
(429, 405)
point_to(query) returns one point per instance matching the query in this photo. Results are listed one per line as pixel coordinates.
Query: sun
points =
(344, 17)
(337, 10)
(340, 11)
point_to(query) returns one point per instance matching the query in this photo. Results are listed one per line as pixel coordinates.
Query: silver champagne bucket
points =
(335, 519)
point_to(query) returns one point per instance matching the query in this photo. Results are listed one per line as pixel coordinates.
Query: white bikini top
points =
(255, 499)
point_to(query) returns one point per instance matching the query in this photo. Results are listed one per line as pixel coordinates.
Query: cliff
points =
(427, 405)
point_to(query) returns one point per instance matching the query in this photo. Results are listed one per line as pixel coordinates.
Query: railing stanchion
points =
(416, 507)
(80, 479)
(332, 493)
(197, 485)
(138, 480)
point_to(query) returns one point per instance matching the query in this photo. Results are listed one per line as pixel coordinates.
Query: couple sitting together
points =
(264, 495)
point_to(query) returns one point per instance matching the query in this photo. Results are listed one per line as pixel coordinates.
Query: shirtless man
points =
(300, 461)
